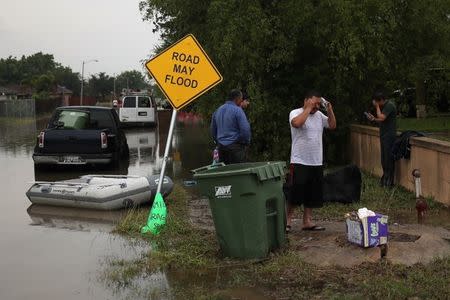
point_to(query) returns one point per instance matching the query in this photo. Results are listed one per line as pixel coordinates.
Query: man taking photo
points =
(307, 124)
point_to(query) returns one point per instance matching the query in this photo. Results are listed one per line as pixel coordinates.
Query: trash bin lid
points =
(263, 170)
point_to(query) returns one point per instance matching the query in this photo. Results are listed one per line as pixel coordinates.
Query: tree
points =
(35, 70)
(100, 86)
(277, 50)
(9, 71)
(66, 77)
(43, 82)
(131, 79)
(36, 65)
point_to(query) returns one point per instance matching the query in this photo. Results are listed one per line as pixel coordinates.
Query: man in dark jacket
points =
(385, 115)
(230, 130)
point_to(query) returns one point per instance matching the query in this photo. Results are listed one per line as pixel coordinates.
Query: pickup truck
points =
(79, 135)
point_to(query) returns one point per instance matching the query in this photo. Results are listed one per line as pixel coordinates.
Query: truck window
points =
(101, 119)
(67, 119)
(144, 102)
(129, 102)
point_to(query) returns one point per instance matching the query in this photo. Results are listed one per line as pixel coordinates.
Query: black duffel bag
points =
(342, 185)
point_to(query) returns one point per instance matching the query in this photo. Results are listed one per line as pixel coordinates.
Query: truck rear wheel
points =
(125, 151)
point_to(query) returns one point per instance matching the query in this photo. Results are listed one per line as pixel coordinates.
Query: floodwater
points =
(59, 253)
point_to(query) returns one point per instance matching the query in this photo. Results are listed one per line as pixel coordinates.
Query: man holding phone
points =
(307, 124)
(386, 115)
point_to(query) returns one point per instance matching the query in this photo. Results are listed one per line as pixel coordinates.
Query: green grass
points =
(179, 243)
(286, 276)
(442, 137)
(22, 121)
(16, 121)
(398, 203)
(432, 124)
(191, 259)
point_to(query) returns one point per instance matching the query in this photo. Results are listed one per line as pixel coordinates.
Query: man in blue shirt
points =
(230, 130)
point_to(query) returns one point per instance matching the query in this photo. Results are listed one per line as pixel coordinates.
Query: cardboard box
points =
(368, 232)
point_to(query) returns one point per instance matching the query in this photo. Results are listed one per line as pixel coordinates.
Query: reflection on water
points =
(58, 253)
(144, 152)
(190, 149)
(124, 250)
(143, 286)
(74, 218)
(143, 146)
(17, 137)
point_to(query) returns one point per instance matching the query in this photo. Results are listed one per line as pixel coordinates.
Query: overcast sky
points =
(111, 31)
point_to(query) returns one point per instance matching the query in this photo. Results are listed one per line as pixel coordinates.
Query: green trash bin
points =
(247, 205)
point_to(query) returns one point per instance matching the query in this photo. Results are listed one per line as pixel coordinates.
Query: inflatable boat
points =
(103, 192)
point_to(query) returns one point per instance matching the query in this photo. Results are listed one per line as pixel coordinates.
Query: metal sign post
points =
(167, 149)
(157, 216)
(183, 72)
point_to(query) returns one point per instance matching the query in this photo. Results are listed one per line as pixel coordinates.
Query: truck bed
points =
(72, 141)
(81, 135)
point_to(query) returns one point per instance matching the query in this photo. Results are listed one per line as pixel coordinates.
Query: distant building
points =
(16, 92)
(7, 94)
(63, 93)
(59, 93)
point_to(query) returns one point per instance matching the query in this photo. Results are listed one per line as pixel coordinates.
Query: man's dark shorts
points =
(232, 154)
(307, 185)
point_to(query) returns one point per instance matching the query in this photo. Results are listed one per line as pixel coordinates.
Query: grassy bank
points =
(398, 203)
(192, 263)
(431, 124)
(287, 277)
(16, 121)
(179, 243)
(439, 127)
(23, 121)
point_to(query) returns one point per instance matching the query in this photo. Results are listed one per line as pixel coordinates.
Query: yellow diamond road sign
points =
(183, 71)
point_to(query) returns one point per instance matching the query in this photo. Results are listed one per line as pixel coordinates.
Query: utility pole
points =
(114, 92)
(82, 78)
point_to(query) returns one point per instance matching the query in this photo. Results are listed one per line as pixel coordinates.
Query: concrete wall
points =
(430, 156)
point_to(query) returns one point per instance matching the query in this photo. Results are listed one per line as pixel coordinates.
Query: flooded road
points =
(59, 253)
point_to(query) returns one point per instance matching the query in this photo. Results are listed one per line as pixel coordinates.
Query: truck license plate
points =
(72, 160)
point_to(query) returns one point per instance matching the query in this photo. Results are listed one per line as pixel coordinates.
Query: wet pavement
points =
(59, 253)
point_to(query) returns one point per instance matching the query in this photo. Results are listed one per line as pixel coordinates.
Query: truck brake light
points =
(104, 140)
(41, 139)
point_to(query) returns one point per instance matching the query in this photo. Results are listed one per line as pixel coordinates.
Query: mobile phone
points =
(368, 116)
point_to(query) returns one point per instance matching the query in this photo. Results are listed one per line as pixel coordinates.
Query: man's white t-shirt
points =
(307, 146)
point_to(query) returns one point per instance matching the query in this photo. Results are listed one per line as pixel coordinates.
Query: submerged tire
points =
(125, 151)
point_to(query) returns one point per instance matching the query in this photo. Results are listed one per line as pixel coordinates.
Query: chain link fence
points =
(22, 108)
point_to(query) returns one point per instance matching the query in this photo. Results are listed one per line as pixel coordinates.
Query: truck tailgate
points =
(72, 141)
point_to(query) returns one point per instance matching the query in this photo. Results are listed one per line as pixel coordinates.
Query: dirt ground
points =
(408, 244)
